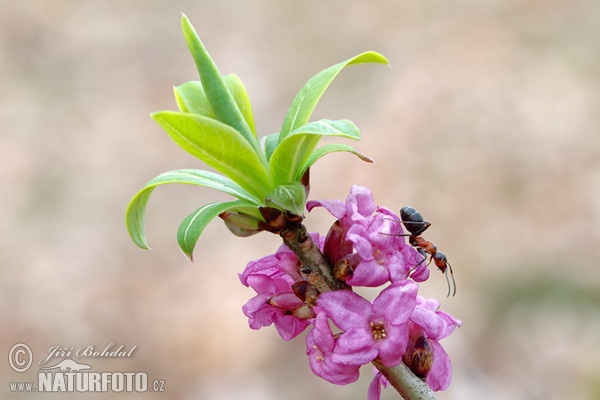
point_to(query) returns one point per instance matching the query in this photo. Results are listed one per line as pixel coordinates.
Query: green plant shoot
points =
(215, 124)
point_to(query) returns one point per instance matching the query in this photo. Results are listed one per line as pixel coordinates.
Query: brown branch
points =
(315, 267)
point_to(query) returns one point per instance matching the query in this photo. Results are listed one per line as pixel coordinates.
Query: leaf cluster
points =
(215, 123)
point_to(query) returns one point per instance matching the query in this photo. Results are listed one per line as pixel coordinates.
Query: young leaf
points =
(327, 127)
(323, 150)
(219, 146)
(137, 206)
(134, 217)
(289, 156)
(240, 96)
(192, 226)
(200, 177)
(269, 143)
(191, 98)
(219, 97)
(290, 197)
(293, 151)
(306, 100)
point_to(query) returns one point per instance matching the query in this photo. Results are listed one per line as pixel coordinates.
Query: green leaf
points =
(269, 143)
(294, 150)
(200, 177)
(136, 209)
(329, 148)
(219, 146)
(289, 156)
(134, 217)
(192, 226)
(219, 97)
(191, 98)
(306, 100)
(240, 96)
(248, 209)
(290, 197)
(327, 127)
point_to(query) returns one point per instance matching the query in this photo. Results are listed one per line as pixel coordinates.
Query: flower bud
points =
(306, 292)
(336, 245)
(239, 224)
(419, 357)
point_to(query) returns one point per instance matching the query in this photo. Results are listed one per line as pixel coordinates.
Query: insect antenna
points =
(451, 288)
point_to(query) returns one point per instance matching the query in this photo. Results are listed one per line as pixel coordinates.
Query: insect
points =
(416, 225)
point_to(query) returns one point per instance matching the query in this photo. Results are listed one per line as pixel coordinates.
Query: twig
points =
(315, 267)
(405, 382)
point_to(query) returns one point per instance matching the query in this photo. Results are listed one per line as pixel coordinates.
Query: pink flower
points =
(429, 324)
(369, 331)
(283, 262)
(320, 347)
(271, 277)
(274, 304)
(376, 234)
(366, 246)
(383, 254)
(359, 205)
(429, 321)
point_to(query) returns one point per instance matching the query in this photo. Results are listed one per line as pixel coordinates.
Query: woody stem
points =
(315, 267)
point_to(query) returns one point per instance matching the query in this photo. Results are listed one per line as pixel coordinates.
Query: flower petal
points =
(346, 309)
(396, 302)
(393, 346)
(319, 347)
(440, 376)
(374, 392)
(289, 326)
(397, 267)
(437, 324)
(369, 274)
(285, 300)
(359, 202)
(358, 235)
(259, 313)
(336, 208)
(355, 347)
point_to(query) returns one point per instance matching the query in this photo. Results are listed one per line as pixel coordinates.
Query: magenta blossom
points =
(370, 331)
(366, 246)
(271, 277)
(357, 210)
(283, 261)
(382, 254)
(274, 304)
(429, 321)
(278, 264)
(320, 347)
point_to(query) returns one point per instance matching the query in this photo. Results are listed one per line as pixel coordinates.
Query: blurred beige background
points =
(487, 122)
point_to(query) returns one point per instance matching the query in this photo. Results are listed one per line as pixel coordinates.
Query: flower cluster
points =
(366, 246)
